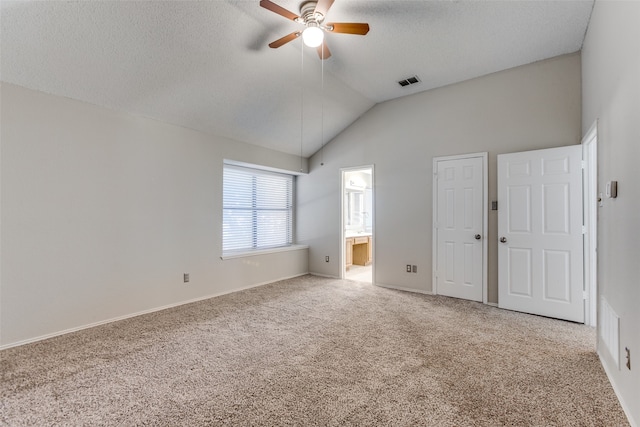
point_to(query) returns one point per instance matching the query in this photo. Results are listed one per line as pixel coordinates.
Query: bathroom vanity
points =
(358, 249)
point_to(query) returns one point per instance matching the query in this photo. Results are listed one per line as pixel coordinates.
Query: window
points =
(257, 209)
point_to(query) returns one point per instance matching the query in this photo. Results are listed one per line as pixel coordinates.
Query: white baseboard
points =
(625, 407)
(400, 288)
(493, 304)
(139, 313)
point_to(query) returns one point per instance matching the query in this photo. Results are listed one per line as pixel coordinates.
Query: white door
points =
(459, 227)
(540, 232)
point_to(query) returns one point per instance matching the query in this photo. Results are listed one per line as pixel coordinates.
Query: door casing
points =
(590, 215)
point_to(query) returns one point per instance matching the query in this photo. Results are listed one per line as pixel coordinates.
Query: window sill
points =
(244, 254)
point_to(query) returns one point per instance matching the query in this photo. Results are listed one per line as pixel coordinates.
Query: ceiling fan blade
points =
(267, 4)
(323, 6)
(348, 28)
(323, 51)
(285, 39)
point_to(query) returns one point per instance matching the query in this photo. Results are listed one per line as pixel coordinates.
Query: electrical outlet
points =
(408, 268)
(415, 268)
(326, 259)
(185, 277)
(628, 357)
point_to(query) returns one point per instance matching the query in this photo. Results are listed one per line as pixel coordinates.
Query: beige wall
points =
(525, 108)
(102, 213)
(611, 95)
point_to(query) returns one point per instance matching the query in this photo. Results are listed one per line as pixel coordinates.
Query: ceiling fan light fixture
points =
(313, 36)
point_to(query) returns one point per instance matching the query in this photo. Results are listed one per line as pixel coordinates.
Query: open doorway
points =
(357, 223)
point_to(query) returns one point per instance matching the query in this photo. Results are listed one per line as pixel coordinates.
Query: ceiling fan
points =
(312, 14)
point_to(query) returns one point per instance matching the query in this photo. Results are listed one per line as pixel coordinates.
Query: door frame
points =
(590, 222)
(341, 252)
(485, 218)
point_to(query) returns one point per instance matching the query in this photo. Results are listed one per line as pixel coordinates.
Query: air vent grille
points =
(409, 81)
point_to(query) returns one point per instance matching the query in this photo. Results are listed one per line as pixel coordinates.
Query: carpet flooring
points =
(313, 351)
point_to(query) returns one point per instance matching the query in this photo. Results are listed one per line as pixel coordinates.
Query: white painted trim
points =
(256, 252)
(485, 221)
(140, 313)
(493, 304)
(589, 207)
(400, 288)
(623, 404)
(341, 245)
(485, 229)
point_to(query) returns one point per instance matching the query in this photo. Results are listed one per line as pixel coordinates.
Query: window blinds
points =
(257, 209)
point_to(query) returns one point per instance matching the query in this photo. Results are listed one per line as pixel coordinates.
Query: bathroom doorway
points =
(357, 235)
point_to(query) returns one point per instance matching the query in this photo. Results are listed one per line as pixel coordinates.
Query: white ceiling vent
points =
(409, 81)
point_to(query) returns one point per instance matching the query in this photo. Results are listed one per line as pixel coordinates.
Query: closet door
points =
(459, 227)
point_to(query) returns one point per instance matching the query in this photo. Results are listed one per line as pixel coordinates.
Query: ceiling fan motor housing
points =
(308, 15)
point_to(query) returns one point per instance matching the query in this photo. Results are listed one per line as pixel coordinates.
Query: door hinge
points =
(584, 229)
(584, 164)
(585, 295)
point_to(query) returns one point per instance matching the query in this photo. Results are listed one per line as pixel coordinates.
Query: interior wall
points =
(611, 95)
(526, 108)
(103, 212)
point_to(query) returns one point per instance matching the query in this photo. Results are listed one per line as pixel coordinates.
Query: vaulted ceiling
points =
(206, 65)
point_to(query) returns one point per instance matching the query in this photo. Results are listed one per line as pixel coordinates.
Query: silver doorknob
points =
(478, 237)
(503, 240)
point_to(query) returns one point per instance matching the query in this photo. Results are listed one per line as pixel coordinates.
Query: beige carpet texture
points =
(313, 351)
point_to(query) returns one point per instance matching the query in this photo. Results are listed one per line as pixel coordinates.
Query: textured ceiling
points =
(206, 65)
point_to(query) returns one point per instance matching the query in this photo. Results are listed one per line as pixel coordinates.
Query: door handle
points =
(503, 240)
(478, 237)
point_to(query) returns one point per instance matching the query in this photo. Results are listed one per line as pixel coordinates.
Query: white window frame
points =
(244, 252)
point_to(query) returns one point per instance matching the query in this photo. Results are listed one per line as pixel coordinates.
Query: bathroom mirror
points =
(354, 201)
